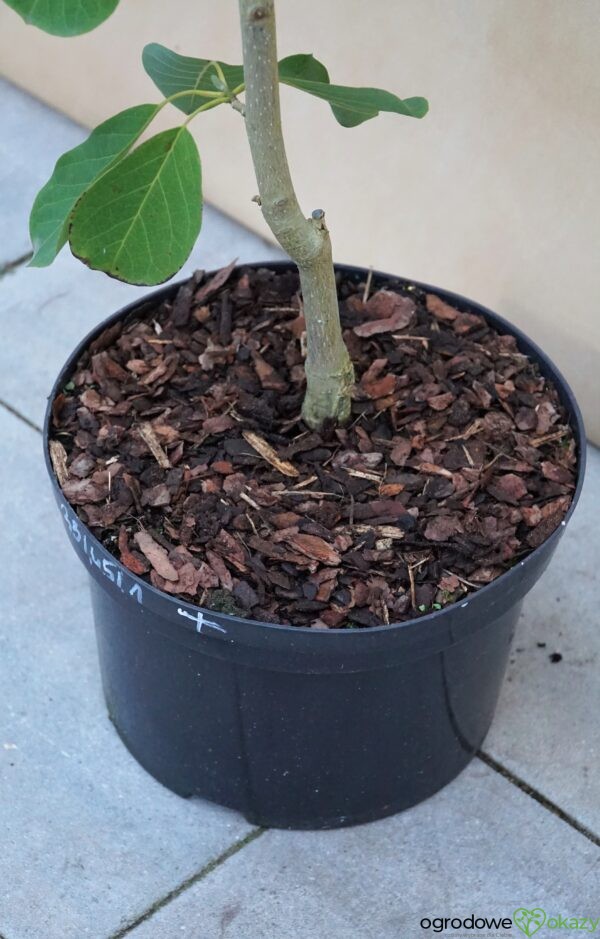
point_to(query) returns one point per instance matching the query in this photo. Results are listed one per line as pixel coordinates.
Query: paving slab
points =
(33, 137)
(546, 729)
(480, 846)
(88, 838)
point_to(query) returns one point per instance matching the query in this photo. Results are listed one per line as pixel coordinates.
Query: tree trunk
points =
(329, 371)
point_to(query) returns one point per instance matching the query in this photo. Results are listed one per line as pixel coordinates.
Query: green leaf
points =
(303, 66)
(74, 172)
(173, 73)
(351, 106)
(64, 17)
(140, 220)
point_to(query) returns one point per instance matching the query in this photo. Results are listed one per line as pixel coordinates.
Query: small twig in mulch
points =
(463, 580)
(402, 338)
(58, 455)
(549, 438)
(269, 454)
(413, 593)
(151, 440)
(246, 498)
(367, 289)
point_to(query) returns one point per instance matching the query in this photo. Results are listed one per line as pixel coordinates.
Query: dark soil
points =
(178, 441)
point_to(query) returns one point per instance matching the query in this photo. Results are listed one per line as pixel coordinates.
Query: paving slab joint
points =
(9, 266)
(538, 797)
(190, 882)
(20, 417)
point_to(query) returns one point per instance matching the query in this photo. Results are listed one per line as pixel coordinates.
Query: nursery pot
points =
(299, 727)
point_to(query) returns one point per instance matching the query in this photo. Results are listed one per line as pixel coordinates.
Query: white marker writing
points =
(198, 619)
(106, 565)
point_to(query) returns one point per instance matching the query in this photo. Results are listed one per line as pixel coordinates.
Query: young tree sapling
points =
(135, 212)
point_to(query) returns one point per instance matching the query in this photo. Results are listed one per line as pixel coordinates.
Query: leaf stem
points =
(206, 107)
(192, 91)
(220, 74)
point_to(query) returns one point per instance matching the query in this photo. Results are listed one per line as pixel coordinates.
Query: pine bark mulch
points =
(178, 441)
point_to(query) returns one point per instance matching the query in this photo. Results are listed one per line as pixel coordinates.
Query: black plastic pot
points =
(295, 727)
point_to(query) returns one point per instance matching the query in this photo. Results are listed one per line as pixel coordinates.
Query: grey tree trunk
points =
(329, 371)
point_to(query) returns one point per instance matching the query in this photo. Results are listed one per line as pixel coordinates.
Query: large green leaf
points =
(140, 220)
(75, 171)
(173, 73)
(351, 106)
(64, 17)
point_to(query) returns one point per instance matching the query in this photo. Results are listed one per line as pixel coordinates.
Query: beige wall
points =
(494, 194)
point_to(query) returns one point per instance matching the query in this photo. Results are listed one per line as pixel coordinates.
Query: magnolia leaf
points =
(140, 220)
(351, 106)
(64, 17)
(74, 172)
(303, 66)
(173, 73)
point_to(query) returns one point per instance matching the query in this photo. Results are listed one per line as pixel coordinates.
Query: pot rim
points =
(440, 625)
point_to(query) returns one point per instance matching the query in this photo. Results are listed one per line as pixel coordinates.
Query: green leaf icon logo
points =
(529, 921)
